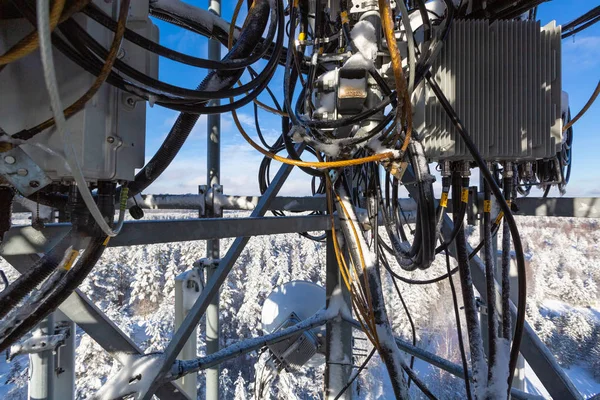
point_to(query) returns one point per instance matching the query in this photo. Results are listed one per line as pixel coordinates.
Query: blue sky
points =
(239, 162)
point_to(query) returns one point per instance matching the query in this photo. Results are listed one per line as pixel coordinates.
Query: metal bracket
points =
(22, 172)
(217, 211)
(62, 328)
(38, 344)
(473, 214)
(204, 263)
(360, 6)
(202, 191)
(192, 285)
(210, 207)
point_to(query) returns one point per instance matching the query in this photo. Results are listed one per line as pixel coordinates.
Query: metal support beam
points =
(580, 207)
(22, 240)
(584, 207)
(240, 203)
(213, 285)
(64, 378)
(41, 366)
(213, 179)
(338, 353)
(188, 382)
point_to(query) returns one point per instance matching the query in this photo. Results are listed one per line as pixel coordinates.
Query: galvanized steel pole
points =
(41, 366)
(213, 172)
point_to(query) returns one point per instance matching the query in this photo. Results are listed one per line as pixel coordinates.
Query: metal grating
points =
(504, 81)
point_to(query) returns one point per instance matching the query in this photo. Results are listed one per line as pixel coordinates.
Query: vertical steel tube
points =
(213, 171)
(64, 381)
(41, 366)
(338, 355)
(188, 382)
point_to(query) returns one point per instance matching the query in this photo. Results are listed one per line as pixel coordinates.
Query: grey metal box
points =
(109, 134)
(504, 81)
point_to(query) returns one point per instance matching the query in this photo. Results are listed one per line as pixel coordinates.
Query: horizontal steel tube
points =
(27, 240)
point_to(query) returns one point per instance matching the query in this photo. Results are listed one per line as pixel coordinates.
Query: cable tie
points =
(464, 195)
(444, 200)
(487, 206)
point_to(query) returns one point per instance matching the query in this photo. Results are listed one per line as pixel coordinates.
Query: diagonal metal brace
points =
(214, 284)
(80, 309)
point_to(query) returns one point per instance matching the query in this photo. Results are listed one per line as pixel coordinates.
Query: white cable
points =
(43, 22)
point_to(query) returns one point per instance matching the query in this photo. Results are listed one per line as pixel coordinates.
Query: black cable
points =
(178, 96)
(185, 122)
(522, 303)
(468, 294)
(435, 47)
(505, 262)
(358, 371)
(30, 279)
(581, 22)
(216, 33)
(105, 20)
(290, 78)
(346, 121)
(490, 280)
(410, 321)
(461, 345)
(459, 220)
(63, 289)
(580, 28)
(444, 276)
(422, 250)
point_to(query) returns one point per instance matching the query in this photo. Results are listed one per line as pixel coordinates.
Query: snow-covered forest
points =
(135, 288)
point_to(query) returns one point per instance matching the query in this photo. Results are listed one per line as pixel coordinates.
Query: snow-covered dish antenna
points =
(287, 305)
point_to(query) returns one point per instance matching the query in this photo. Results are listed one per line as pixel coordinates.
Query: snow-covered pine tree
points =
(240, 388)
(146, 290)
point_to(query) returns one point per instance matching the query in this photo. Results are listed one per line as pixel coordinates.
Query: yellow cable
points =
(400, 80)
(363, 265)
(359, 307)
(366, 305)
(326, 164)
(31, 42)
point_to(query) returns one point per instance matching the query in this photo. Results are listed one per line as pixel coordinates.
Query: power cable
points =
(522, 301)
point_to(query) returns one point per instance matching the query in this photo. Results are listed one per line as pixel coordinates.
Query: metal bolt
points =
(34, 184)
(22, 172)
(110, 139)
(130, 101)
(121, 53)
(9, 160)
